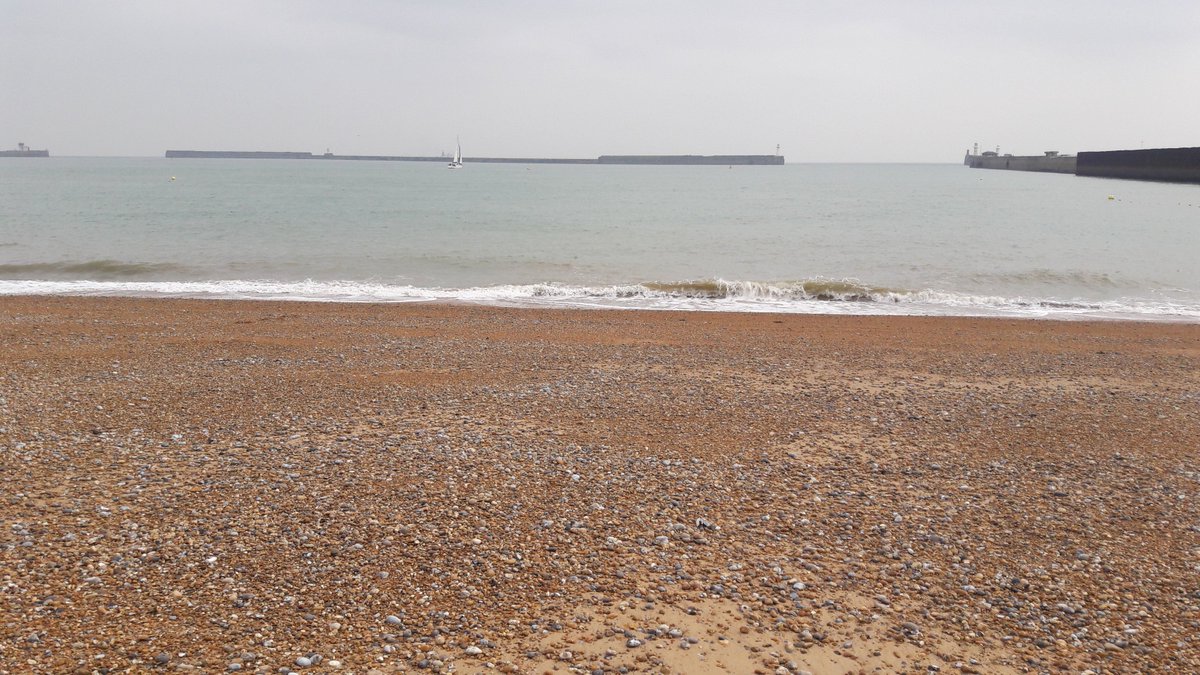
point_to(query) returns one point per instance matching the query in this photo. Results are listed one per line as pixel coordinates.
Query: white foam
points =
(734, 297)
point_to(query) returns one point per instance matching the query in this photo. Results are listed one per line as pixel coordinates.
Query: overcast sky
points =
(836, 81)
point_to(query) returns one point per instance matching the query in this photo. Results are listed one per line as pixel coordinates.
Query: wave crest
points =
(90, 269)
(843, 290)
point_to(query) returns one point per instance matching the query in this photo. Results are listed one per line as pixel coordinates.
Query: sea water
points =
(817, 238)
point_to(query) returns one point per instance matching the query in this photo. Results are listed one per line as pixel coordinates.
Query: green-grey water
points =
(916, 239)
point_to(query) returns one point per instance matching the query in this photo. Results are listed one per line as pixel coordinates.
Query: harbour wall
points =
(773, 160)
(24, 153)
(741, 160)
(242, 154)
(519, 160)
(1047, 163)
(236, 154)
(1180, 165)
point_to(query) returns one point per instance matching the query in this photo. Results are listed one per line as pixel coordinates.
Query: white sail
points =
(457, 163)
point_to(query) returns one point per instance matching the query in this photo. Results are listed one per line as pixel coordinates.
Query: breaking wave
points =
(812, 296)
(813, 289)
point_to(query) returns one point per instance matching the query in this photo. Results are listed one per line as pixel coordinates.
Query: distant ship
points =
(24, 151)
(457, 162)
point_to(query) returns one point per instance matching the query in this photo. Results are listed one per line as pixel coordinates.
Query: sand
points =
(195, 486)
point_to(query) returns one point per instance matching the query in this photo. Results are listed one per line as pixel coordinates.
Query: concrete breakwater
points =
(722, 160)
(243, 154)
(1179, 165)
(1051, 162)
(776, 160)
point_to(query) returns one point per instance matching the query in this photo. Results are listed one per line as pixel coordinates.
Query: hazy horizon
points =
(828, 82)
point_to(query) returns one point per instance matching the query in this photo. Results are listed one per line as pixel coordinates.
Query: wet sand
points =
(222, 486)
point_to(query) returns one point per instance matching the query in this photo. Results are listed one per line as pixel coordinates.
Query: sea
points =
(895, 239)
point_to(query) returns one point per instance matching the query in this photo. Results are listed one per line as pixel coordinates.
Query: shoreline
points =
(634, 297)
(195, 483)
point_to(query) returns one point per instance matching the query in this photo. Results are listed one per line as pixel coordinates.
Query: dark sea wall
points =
(24, 153)
(1166, 164)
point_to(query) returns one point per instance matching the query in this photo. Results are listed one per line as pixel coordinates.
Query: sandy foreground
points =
(257, 486)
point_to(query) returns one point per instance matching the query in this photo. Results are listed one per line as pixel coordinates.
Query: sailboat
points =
(457, 163)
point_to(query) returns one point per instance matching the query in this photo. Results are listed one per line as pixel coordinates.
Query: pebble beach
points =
(270, 487)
